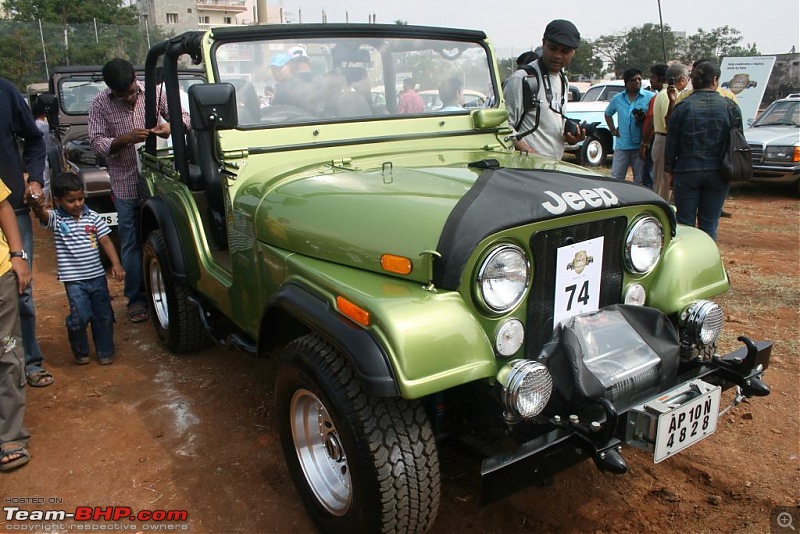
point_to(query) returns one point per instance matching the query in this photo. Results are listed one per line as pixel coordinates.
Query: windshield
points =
(281, 83)
(77, 95)
(77, 92)
(780, 113)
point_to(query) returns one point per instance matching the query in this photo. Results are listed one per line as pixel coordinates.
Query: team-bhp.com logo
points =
(95, 513)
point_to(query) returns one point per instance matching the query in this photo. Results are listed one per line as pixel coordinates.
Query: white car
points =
(472, 99)
(593, 150)
(774, 139)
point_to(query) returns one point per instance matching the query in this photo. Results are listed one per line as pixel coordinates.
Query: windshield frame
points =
(381, 40)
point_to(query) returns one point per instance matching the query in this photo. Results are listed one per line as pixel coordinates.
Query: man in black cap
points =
(540, 128)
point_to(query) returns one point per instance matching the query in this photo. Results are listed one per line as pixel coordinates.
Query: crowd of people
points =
(670, 137)
(116, 130)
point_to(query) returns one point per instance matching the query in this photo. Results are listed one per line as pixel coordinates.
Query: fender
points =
(691, 251)
(156, 216)
(367, 356)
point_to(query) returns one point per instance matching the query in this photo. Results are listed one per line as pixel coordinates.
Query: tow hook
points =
(611, 461)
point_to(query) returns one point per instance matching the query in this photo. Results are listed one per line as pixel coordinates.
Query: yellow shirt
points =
(660, 111)
(5, 253)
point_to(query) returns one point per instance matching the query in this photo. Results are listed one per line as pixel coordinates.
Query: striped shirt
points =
(77, 243)
(111, 117)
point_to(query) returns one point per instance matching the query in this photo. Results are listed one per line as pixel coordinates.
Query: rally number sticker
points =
(578, 273)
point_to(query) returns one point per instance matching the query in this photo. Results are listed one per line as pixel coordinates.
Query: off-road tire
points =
(385, 446)
(175, 318)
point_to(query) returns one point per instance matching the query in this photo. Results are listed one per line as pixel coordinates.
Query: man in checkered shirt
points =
(116, 130)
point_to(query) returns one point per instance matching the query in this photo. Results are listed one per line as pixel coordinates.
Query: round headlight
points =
(527, 386)
(703, 322)
(643, 245)
(509, 337)
(503, 278)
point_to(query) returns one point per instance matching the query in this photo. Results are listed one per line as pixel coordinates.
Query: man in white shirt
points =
(541, 131)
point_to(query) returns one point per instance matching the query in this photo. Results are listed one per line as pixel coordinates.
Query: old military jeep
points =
(424, 284)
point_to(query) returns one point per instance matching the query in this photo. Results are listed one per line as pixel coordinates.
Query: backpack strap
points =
(530, 95)
(530, 98)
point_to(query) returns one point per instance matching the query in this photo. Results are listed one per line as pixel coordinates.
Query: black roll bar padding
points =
(172, 49)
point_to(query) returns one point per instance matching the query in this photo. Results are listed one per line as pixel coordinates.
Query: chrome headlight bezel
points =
(488, 296)
(641, 259)
(527, 387)
(703, 321)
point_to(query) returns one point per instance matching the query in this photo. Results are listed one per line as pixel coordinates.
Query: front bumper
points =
(566, 443)
(775, 173)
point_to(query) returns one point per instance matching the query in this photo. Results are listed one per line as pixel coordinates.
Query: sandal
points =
(138, 315)
(9, 449)
(39, 379)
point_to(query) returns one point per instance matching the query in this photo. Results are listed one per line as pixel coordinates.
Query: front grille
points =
(756, 152)
(545, 245)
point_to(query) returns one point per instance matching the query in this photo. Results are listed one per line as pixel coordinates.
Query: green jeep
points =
(426, 285)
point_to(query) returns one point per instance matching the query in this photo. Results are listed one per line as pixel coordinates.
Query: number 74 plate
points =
(579, 269)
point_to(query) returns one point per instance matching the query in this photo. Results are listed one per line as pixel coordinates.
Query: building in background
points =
(177, 16)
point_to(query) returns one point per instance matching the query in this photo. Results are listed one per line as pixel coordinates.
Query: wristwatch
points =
(19, 254)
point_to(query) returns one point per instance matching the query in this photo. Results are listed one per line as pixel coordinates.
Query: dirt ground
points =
(196, 432)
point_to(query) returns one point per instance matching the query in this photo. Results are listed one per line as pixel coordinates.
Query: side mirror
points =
(51, 108)
(213, 106)
(750, 121)
(488, 118)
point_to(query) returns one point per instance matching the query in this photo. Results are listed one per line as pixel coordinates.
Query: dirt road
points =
(196, 433)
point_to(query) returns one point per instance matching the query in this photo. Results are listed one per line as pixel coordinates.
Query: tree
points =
(73, 32)
(608, 48)
(644, 47)
(585, 62)
(717, 43)
(71, 11)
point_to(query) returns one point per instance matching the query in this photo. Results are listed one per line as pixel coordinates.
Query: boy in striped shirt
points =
(79, 233)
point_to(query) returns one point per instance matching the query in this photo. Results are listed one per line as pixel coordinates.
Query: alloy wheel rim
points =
(320, 452)
(158, 294)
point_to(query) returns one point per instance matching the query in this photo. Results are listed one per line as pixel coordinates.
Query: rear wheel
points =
(360, 463)
(175, 318)
(593, 152)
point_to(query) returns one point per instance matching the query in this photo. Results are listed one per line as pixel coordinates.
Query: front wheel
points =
(175, 318)
(593, 152)
(360, 463)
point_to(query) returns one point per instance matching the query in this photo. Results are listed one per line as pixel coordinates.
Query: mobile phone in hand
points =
(671, 80)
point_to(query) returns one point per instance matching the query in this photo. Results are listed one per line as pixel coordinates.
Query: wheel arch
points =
(156, 216)
(294, 311)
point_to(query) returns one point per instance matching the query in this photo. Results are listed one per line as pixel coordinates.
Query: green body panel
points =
(432, 338)
(693, 252)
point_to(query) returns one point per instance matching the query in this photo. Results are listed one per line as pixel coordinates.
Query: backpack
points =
(530, 95)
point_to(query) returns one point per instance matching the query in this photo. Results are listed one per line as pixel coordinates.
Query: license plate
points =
(578, 272)
(109, 218)
(687, 424)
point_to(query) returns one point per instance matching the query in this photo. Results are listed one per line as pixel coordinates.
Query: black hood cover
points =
(506, 198)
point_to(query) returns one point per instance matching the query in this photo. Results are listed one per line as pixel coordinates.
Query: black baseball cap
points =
(563, 32)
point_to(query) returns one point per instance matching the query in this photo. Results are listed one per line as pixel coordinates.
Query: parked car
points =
(74, 88)
(423, 284)
(774, 139)
(594, 150)
(472, 99)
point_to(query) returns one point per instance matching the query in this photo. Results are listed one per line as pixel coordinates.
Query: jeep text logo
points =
(594, 198)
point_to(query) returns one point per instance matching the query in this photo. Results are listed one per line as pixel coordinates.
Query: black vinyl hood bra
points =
(505, 198)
